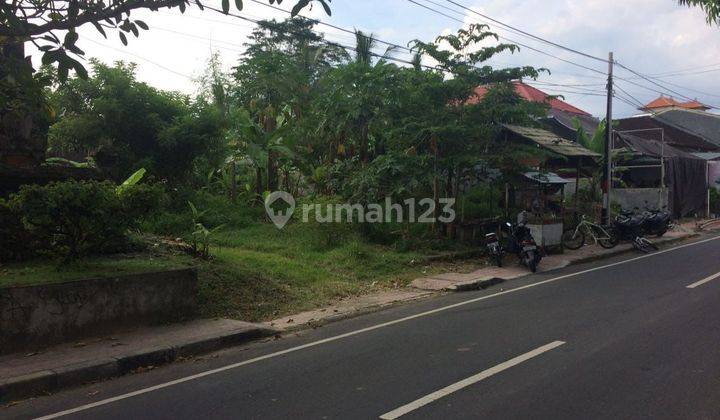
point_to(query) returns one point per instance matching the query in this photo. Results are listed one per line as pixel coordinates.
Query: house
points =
(689, 130)
(655, 174)
(561, 116)
(664, 103)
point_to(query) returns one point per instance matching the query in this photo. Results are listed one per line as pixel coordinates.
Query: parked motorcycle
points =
(630, 227)
(656, 222)
(522, 243)
(495, 249)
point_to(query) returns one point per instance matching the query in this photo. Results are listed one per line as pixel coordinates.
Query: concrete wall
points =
(35, 316)
(629, 198)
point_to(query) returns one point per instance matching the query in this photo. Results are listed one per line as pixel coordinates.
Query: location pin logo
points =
(280, 218)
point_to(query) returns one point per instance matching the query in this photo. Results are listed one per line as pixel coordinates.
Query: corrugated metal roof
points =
(707, 155)
(546, 178)
(551, 141)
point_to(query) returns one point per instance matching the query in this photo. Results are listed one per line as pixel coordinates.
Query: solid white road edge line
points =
(457, 386)
(703, 281)
(352, 333)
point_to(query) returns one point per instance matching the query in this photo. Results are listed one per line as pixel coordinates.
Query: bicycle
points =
(574, 238)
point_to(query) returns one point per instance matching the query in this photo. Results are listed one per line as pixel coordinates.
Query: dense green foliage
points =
(303, 115)
(73, 219)
(299, 114)
(115, 117)
(710, 7)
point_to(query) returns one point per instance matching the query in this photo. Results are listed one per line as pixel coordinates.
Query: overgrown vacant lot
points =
(258, 272)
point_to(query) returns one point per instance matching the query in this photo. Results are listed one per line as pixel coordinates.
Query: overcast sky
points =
(650, 36)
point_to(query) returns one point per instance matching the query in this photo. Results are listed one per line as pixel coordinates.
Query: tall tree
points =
(710, 7)
(51, 25)
(114, 117)
(282, 65)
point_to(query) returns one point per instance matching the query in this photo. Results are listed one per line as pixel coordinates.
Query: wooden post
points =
(607, 168)
(577, 182)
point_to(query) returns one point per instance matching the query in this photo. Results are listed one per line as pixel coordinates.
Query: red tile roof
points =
(665, 102)
(694, 105)
(531, 94)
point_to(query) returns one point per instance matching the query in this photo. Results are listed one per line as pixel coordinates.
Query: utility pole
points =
(607, 168)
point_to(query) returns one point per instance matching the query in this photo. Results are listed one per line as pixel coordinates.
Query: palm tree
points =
(364, 46)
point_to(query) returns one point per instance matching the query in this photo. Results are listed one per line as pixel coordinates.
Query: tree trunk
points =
(272, 171)
(270, 126)
(259, 183)
(364, 139)
(22, 142)
(233, 180)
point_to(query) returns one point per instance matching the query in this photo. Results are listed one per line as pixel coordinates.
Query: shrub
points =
(714, 201)
(72, 219)
(16, 243)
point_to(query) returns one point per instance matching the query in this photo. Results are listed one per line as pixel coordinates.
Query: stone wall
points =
(35, 316)
(629, 198)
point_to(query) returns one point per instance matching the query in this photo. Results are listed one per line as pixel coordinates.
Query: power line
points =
(339, 28)
(654, 83)
(568, 89)
(517, 30)
(680, 71)
(142, 58)
(690, 89)
(260, 23)
(642, 76)
(632, 98)
(626, 101)
(538, 82)
(527, 33)
(512, 40)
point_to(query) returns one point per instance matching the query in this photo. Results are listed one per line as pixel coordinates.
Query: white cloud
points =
(652, 36)
(649, 36)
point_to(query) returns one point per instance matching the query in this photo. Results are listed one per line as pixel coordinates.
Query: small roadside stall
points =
(541, 192)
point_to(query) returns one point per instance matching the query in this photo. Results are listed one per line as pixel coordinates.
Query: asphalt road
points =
(622, 338)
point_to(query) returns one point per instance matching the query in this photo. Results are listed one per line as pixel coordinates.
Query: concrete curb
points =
(631, 249)
(476, 284)
(52, 380)
(485, 283)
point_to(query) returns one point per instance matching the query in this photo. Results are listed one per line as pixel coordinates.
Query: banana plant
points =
(132, 180)
(257, 143)
(200, 235)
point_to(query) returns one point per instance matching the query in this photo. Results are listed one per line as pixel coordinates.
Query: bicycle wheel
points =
(610, 241)
(573, 239)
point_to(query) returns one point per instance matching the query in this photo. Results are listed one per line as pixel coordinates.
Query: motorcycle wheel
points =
(531, 262)
(661, 232)
(573, 239)
(611, 242)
